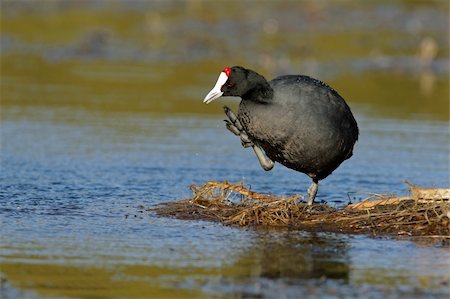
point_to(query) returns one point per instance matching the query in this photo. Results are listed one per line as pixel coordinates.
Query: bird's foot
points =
(234, 126)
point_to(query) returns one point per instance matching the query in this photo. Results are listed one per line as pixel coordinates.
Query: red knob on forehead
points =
(227, 71)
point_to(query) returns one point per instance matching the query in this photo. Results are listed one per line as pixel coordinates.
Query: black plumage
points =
(298, 121)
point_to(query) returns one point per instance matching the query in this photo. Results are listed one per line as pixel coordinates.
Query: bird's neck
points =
(259, 89)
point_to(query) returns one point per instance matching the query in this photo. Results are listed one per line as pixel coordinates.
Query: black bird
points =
(295, 120)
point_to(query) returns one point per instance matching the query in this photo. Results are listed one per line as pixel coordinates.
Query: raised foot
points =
(234, 126)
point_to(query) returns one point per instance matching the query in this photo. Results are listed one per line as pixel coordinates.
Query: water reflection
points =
(94, 102)
(72, 183)
(295, 255)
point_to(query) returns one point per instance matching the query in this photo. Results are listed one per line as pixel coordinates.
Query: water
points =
(71, 187)
(102, 115)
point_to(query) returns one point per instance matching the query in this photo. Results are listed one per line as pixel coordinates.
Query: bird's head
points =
(232, 82)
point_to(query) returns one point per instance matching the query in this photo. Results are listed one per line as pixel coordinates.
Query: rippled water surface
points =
(71, 191)
(102, 115)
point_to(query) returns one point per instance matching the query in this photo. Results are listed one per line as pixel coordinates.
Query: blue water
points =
(71, 184)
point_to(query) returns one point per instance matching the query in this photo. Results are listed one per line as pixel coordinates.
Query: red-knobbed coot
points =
(295, 120)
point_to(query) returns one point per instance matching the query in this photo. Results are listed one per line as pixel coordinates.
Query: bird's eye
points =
(230, 84)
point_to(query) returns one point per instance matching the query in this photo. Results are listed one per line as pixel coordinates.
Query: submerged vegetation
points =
(421, 214)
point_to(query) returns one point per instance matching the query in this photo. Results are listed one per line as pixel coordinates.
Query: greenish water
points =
(102, 113)
(159, 56)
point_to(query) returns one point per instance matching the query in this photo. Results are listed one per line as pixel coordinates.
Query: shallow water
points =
(71, 191)
(102, 114)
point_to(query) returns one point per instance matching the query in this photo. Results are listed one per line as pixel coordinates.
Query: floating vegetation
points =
(426, 212)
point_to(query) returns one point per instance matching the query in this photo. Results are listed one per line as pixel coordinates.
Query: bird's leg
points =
(234, 126)
(265, 162)
(312, 191)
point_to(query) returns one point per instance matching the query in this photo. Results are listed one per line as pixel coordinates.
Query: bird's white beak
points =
(216, 91)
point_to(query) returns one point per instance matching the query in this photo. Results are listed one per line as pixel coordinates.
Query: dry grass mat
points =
(426, 212)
